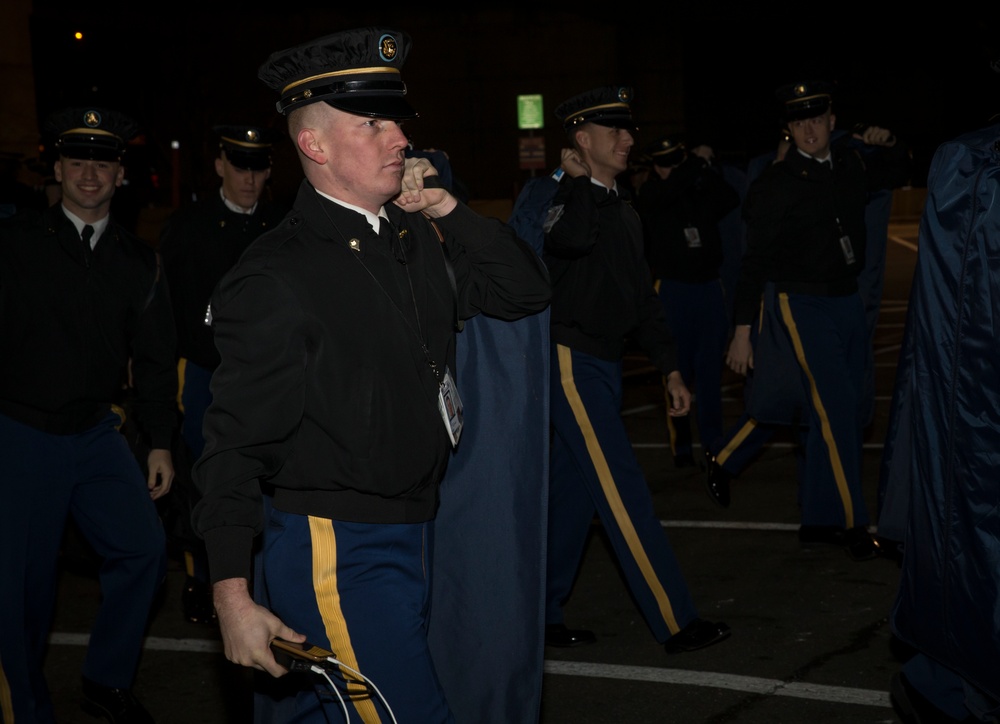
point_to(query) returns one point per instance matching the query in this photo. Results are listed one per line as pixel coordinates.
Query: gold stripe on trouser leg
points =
(831, 444)
(671, 427)
(749, 426)
(610, 490)
(181, 369)
(6, 703)
(324, 557)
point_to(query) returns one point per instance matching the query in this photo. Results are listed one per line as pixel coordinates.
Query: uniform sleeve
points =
(889, 168)
(574, 219)
(653, 333)
(722, 196)
(496, 272)
(154, 366)
(257, 403)
(763, 219)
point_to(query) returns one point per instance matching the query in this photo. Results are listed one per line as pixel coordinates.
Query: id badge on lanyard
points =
(450, 406)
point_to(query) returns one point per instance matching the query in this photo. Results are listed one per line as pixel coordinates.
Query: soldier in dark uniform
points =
(681, 204)
(602, 294)
(200, 243)
(806, 239)
(85, 316)
(335, 407)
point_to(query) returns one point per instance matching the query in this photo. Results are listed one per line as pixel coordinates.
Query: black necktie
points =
(384, 232)
(387, 234)
(86, 235)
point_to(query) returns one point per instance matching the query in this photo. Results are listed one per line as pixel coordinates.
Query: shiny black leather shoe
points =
(857, 541)
(684, 460)
(717, 481)
(556, 634)
(891, 550)
(196, 601)
(826, 534)
(697, 635)
(118, 706)
(860, 544)
(913, 708)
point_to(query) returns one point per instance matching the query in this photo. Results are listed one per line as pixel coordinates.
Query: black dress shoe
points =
(891, 550)
(913, 708)
(857, 541)
(860, 545)
(196, 601)
(697, 635)
(556, 634)
(684, 460)
(118, 706)
(827, 534)
(717, 481)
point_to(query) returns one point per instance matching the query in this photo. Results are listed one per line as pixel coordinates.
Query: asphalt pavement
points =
(810, 643)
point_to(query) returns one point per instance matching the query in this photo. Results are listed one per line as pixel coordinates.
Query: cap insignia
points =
(92, 119)
(387, 48)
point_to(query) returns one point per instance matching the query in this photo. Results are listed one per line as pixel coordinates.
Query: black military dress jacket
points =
(797, 212)
(333, 342)
(602, 288)
(693, 196)
(69, 326)
(200, 243)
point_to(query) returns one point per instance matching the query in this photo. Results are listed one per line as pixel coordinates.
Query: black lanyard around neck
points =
(417, 331)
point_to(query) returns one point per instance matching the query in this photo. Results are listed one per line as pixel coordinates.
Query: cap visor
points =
(621, 122)
(251, 161)
(810, 110)
(90, 153)
(394, 108)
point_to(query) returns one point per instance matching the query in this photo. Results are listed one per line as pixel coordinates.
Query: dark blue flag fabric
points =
(940, 489)
(486, 628)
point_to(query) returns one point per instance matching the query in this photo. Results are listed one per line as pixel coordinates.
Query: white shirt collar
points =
(598, 183)
(372, 218)
(234, 207)
(99, 226)
(829, 157)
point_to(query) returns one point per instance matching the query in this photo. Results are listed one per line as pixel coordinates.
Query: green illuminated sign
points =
(529, 112)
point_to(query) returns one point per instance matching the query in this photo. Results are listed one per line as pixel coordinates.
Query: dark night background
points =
(705, 69)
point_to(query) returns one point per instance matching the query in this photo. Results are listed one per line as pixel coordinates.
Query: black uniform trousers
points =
(593, 468)
(362, 591)
(697, 317)
(94, 477)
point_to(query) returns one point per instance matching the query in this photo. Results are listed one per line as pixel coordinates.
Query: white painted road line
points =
(733, 682)
(749, 684)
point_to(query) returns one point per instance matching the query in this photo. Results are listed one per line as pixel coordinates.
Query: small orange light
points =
(78, 35)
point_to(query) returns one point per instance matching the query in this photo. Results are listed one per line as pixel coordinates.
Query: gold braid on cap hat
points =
(245, 144)
(578, 116)
(807, 98)
(90, 132)
(335, 73)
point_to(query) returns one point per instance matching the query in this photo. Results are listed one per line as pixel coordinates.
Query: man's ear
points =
(220, 168)
(311, 145)
(833, 121)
